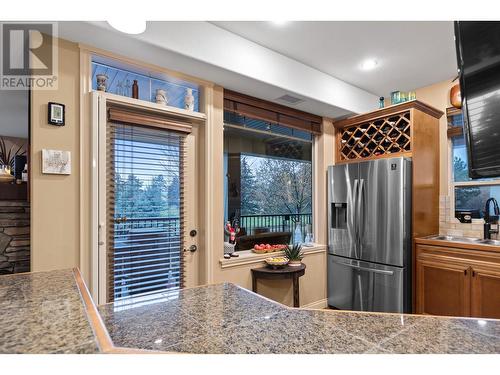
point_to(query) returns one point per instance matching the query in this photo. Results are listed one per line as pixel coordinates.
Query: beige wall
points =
(55, 199)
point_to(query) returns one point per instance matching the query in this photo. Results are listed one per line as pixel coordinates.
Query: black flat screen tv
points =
(478, 57)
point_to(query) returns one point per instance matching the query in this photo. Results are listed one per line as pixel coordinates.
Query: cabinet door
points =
(485, 292)
(443, 288)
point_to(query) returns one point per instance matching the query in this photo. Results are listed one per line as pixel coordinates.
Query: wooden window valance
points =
(249, 106)
(122, 115)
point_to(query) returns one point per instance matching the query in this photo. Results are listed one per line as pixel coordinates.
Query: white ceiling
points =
(206, 51)
(318, 62)
(411, 54)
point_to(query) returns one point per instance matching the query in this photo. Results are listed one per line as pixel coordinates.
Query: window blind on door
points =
(144, 208)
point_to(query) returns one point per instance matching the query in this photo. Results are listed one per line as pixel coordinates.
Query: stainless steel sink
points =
(465, 240)
(454, 239)
(490, 242)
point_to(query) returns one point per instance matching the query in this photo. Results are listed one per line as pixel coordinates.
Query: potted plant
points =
(294, 254)
(7, 156)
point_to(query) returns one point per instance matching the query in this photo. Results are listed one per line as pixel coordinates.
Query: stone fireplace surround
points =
(14, 236)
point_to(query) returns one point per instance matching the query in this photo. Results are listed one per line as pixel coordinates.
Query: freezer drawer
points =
(364, 286)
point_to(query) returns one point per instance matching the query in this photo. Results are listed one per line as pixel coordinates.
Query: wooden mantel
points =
(396, 108)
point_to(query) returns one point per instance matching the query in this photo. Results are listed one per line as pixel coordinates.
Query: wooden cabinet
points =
(443, 289)
(457, 281)
(485, 292)
(409, 129)
(398, 130)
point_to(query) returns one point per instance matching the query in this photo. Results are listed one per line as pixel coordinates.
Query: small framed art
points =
(56, 112)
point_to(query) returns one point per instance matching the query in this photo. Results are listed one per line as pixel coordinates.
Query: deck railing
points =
(275, 223)
(147, 256)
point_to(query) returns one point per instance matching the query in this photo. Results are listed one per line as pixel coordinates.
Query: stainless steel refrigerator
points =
(369, 235)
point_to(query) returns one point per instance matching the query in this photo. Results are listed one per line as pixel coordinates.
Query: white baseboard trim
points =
(321, 304)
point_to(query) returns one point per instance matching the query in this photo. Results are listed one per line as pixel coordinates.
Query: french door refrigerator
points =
(369, 235)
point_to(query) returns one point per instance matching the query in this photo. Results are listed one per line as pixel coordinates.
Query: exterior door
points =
(485, 292)
(147, 201)
(384, 211)
(443, 288)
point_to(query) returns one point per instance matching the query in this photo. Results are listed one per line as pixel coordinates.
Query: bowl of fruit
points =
(267, 248)
(277, 262)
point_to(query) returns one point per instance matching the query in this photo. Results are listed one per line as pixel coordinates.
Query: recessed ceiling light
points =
(279, 23)
(369, 64)
(129, 26)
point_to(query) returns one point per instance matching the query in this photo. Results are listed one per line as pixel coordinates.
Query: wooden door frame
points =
(99, 104)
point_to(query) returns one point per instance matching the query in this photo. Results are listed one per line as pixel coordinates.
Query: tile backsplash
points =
(449, 225)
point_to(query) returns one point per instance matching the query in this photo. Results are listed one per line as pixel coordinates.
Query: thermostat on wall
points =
(56, 114)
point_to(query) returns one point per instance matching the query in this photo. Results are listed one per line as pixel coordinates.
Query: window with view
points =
(268, 181)
(470, 195)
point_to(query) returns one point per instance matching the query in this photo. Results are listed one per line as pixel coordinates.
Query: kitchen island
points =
(43, 312)
(220, 318)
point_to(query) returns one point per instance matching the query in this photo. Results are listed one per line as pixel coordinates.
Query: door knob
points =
(192, 248)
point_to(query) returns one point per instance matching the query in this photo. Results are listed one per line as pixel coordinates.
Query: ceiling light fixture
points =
(129, 26)
(369, 64)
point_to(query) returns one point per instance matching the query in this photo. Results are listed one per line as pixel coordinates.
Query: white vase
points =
(297, 234)
(101, 81)
(189, 100)
(161, 97)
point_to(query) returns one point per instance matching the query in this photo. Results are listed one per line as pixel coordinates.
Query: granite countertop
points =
(225, 318)
(51, 312)
(43, 312)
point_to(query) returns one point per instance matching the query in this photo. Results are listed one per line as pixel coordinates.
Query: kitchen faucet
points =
(488, 220)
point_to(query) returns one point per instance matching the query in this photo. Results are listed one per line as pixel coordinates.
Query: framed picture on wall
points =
(56, 112)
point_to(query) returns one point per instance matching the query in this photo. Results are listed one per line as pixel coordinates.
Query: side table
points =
(286, 272)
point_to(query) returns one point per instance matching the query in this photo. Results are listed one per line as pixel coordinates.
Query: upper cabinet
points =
(398, 130)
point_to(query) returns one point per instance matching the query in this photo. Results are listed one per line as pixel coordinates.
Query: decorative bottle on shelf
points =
(297, 235)
(135, 90)
(189, 100)
(24, 174)
(126, 88)
(101, 81)
(381, 102)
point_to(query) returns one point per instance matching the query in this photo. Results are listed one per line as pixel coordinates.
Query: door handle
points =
(192, 248)
(361, 210)
(373, 270)
(355, 212)
(100, 242)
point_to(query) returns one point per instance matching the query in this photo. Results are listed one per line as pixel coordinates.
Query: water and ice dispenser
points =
(339, 215)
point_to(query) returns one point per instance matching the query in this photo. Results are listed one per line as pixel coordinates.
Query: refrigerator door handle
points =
(361, 211)
(355, 215)
(373, 270)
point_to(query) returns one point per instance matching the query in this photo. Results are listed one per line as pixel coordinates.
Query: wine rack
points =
(376, 138)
